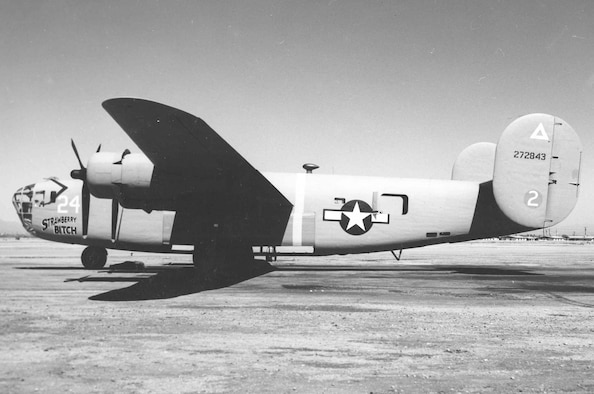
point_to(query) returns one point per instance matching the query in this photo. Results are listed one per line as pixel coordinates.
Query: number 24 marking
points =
(63, 204)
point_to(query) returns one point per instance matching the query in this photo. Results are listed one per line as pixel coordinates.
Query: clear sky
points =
(387, 88)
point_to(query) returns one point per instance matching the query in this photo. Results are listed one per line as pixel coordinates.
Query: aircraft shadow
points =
(459, 269)
(174, 280)
(170, 282)
(65, 268)
(474, 270)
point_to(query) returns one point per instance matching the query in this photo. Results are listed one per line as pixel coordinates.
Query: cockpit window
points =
(23, 203)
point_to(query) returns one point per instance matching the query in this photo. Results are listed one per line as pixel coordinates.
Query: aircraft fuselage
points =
(331, 214)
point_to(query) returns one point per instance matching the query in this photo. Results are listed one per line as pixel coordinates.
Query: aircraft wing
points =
(225, 187)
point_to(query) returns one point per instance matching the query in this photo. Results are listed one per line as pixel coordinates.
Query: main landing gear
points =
(215, 261)
(94, 257)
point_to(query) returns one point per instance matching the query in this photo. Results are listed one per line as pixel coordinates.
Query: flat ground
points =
(474, 317)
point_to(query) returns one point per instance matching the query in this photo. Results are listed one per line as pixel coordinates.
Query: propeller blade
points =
(86, 201)
(115, 206)
(78, 174)
(76, 153)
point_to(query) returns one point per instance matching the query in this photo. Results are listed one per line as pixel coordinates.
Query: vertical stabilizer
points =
(537, 167)
(475, 163)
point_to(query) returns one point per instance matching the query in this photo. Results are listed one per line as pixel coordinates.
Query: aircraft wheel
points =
(94, 257)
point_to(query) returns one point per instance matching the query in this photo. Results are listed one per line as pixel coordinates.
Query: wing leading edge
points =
(217, 186)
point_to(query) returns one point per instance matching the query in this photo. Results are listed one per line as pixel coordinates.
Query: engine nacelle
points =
(122, 177)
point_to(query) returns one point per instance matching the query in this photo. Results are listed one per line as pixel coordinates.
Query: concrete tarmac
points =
(473, 317)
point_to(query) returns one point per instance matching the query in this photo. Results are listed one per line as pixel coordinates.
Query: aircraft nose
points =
(23, 203)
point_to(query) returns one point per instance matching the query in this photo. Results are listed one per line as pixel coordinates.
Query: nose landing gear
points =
(93, 257)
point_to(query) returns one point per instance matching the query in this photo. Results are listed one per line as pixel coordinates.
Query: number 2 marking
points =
(63, 204)
(532, 199)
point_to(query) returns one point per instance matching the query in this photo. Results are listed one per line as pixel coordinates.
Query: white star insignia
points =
(356, 217)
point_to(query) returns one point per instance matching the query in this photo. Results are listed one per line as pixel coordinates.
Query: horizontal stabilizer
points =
(537, 167)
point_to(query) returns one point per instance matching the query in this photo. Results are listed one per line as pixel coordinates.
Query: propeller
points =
(86, 196)
(115, 206)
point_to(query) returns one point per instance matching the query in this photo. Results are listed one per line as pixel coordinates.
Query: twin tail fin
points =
(534, 169)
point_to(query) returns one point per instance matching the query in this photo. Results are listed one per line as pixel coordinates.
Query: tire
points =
(93, 257)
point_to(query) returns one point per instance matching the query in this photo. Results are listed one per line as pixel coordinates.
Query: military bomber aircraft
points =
(191, 192)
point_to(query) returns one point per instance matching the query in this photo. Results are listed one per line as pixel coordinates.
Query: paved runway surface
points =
(474, 317)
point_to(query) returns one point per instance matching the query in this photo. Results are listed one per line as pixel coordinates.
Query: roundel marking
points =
(356, 217)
